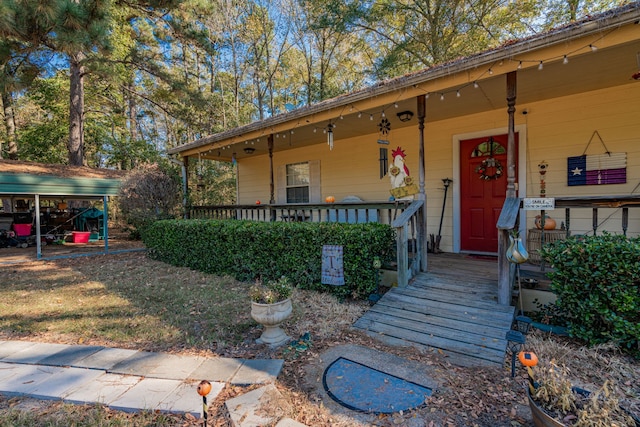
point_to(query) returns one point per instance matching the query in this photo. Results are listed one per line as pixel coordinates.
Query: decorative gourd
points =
(257, 202)
(549, 223)
(329, 199)
(204, 388)
(528, 358)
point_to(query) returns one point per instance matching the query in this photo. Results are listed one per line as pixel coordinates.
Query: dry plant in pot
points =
(270, 306)
(555, 402)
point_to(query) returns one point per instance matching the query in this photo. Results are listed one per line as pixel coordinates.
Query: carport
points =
(35, 182)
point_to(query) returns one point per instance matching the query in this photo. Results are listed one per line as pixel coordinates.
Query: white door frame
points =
(521, 179)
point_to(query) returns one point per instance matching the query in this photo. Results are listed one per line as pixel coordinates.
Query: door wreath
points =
(488, 164)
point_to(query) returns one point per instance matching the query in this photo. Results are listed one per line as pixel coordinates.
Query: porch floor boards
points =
(451, 309)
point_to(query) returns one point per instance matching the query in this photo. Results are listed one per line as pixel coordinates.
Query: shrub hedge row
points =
(597, 282)
(248, 250)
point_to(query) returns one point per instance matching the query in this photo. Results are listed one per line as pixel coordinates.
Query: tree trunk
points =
(10, 124)
(76, 110)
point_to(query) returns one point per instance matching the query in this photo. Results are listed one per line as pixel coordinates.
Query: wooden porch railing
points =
(574, 208)
(410, 242)
(351, 212)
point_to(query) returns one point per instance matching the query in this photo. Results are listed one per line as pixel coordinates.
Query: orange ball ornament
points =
(204, 388)
(528, 358)
(329, 199)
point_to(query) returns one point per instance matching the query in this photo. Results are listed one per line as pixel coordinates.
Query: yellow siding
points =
(555, 129)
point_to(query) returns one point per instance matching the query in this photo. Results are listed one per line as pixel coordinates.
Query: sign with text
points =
(332, 265)
(538, 203)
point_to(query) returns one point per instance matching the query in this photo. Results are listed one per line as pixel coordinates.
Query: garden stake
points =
(529, 359)
(203, 389)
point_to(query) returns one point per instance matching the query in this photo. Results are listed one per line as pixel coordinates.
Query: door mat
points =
(361, 388)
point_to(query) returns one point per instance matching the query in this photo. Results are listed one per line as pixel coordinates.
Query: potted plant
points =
(270, 306)
(554, 402)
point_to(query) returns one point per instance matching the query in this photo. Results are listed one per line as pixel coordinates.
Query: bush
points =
(597, 281)
(250, 250)
(148, 194)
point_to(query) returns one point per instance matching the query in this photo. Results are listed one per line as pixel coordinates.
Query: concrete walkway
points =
(126, 380)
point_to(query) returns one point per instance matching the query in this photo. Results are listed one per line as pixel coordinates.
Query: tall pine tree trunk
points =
(76, 110)
(10, 124)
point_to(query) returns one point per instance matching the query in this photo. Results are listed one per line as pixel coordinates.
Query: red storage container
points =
(22, 229)
(80, 236)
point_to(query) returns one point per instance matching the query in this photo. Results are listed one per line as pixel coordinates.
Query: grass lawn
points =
(130, 301)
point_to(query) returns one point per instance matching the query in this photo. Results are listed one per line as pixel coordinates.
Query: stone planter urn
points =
(271, 316)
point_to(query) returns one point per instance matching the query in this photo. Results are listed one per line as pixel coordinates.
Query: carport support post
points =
(38, 241)
(105, 223)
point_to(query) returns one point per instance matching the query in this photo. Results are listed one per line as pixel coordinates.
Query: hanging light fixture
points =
(405, 116)
(330, 136)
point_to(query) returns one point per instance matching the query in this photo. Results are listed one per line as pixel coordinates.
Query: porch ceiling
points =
(588, 71)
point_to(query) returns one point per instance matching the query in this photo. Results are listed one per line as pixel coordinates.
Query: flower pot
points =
(540, 417)
(271, 316)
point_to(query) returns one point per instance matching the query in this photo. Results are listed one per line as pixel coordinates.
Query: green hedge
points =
(248, 250)
(597, 281)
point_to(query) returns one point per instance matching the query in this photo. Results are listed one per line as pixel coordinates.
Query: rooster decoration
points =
(399, 173)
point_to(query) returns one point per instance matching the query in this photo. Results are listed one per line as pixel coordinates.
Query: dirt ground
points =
(464, 396)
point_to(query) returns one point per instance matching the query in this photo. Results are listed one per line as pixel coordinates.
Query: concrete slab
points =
(35, 353)
(71, 355)
(10, 348)
(27, 378)
(262, 406)
(104, 389)
(257, 371)
(175, 367)
(105, 358)
(141, 363)
(7, 348)
(185, 399)
(219, 369)
(61, 383)
(145, 395)
(9, 372)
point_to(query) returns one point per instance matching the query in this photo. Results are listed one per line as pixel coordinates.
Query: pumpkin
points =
(329, 199)
(549, 223)
(528, 358)
(257, 202)
(204, 388)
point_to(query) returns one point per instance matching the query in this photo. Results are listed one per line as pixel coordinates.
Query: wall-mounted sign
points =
(332, 265)
(538, 203)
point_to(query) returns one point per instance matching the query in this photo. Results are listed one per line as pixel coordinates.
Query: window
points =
(488, 148)
(298, 182)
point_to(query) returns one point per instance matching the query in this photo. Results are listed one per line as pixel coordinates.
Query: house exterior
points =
(554, 115)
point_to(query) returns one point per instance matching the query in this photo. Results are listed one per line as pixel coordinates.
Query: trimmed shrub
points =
(597, 281)
(250, 250)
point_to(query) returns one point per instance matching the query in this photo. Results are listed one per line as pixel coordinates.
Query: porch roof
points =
(478, 79)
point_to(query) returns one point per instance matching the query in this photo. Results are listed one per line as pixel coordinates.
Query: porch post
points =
(272, 198)
(511, 141)
(272, 187)
(504, 282)
(422, 219)
(185, 187)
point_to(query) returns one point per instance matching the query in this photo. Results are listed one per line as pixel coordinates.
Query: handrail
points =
(406, 215)
(411, 217)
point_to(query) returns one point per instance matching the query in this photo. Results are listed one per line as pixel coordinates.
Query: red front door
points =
(483, 185)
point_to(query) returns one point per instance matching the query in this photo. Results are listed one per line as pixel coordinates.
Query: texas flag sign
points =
(608, 168)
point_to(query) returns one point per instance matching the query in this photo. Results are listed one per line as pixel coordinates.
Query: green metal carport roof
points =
(33, 180)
